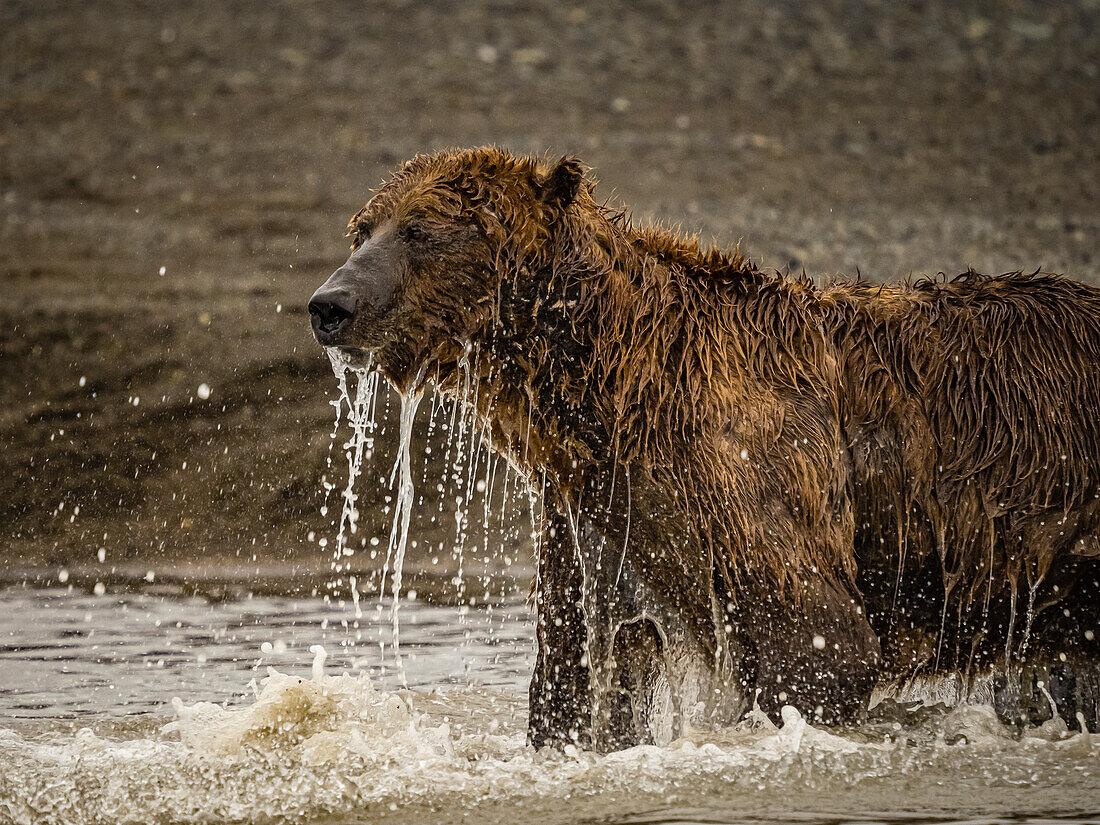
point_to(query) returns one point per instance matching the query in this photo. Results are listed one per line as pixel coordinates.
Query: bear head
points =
(430, 252)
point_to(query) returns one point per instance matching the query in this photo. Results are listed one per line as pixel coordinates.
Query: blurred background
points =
(175, 180)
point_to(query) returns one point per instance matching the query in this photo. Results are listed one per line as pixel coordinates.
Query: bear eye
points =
(413, 232)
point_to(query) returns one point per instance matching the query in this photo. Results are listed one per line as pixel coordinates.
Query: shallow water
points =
(89, 731)
(70, 654)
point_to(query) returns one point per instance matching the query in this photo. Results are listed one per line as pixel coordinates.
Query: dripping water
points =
(469, 470)
(403, 503)
(360, 446)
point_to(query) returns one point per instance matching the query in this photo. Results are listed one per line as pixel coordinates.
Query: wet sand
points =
(226, 144)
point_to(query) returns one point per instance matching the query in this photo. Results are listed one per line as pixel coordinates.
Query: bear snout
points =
(331, 312)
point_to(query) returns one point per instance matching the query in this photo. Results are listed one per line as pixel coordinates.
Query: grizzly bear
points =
(757, 490)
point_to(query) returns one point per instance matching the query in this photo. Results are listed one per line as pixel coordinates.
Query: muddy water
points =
(140, 708)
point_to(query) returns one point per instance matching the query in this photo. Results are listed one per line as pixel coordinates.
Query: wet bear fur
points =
(812, 489)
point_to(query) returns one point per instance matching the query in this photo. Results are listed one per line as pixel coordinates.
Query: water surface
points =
(140, 708)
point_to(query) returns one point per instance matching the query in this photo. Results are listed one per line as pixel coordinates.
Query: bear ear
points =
(562, 183)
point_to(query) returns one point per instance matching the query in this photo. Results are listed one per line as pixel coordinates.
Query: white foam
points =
(314, 720)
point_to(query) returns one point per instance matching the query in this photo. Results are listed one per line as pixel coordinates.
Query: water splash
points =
(335, 747)
(316, 720)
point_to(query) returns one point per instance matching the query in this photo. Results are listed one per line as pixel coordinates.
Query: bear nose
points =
(330, 313)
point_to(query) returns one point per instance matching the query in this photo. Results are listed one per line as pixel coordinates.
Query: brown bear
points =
(755, 489)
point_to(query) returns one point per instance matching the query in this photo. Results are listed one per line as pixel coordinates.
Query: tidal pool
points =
(137, 707)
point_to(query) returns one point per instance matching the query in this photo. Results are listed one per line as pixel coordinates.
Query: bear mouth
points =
(403, 370)
(408, 363)
(356, 358)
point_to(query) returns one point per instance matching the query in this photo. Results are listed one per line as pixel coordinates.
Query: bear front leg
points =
(559, 692)
(818, 654)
